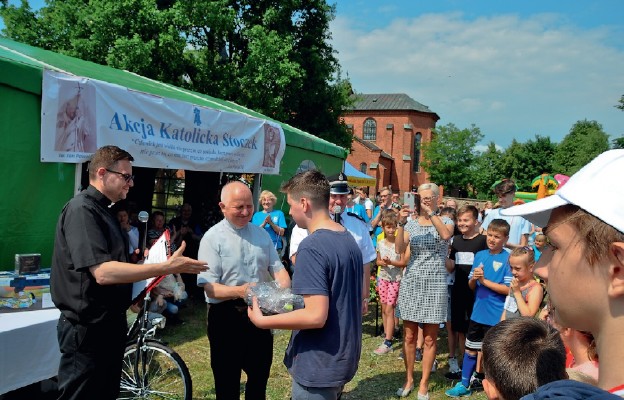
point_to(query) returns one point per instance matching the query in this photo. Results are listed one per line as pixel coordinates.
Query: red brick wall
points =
(361, 154)
(397, 142)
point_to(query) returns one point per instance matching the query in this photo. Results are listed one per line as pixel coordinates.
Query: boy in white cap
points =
(584, 266)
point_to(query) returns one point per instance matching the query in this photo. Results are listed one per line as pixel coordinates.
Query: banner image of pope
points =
(75, 122)
(271, 145)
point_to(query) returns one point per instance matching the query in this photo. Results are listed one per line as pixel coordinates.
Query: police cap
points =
(338, 184)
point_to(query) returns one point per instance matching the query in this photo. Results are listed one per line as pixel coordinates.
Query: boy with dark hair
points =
(463, 249)
(519, 355)
(490, 278)
(326, 343)
(519, 228)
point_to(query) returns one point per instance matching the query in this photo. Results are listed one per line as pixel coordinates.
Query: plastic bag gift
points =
(273, 299)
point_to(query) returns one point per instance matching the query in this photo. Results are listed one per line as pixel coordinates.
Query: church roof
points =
(388, 102)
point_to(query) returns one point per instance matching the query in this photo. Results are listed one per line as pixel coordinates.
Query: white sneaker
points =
(382, 349)
(453, 366)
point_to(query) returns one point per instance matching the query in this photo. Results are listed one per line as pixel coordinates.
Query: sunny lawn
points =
(378, 377)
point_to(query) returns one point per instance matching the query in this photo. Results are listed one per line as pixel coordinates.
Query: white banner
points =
(79, 114)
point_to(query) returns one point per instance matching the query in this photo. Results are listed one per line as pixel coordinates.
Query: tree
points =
(268, 55)
(618, 143)
(449, 155)
(100, 31)
(584, 142)
(484, 171)
(20, 22)
(524, 161)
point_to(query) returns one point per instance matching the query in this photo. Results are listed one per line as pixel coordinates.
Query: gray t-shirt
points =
(236, 256)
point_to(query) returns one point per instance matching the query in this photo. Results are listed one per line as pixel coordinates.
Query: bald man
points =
(238, 253)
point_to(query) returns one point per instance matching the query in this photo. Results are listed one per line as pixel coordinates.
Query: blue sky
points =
(515, 69)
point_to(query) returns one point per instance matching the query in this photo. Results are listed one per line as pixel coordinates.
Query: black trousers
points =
(237, 345)
(91, 358)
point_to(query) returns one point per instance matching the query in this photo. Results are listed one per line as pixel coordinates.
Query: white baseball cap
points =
(598, 182)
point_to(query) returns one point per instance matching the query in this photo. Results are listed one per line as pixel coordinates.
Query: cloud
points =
(482, 148)
(512, 77)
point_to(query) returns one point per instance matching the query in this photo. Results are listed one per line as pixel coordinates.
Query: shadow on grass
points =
(193, 326)
(204, 394)
(371, 322)
(378, 387)
(378, 377)
(385, 385)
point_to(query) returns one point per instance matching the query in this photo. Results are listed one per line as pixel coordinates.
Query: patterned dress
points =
(423, 293)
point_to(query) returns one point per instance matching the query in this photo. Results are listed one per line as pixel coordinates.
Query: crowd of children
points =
(582, 266)
(498, 314)
(488, 277)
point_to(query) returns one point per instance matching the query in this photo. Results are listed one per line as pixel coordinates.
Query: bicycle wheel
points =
(160, 374)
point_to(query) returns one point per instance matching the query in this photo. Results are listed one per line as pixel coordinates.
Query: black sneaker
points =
(476, 383)
(453, 375)
(419, 355)
(397, 334)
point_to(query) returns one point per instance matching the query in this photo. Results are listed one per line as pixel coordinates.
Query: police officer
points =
(338, 191)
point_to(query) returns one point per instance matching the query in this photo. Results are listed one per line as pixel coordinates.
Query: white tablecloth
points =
(29, 349)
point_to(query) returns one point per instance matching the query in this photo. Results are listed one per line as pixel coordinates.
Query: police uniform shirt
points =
(356, 227)
(296, 236)
(360, 233)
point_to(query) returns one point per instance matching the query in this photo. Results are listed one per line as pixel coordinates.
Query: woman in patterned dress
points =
(423, 293)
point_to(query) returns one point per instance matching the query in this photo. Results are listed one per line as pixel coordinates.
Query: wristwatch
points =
(401, 224)
(432, 213)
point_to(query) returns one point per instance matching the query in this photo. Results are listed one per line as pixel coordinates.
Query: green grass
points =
(378, 377)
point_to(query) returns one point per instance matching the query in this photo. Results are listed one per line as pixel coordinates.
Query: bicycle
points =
(151, 369)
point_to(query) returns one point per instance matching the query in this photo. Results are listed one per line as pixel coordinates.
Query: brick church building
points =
(388, 131)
